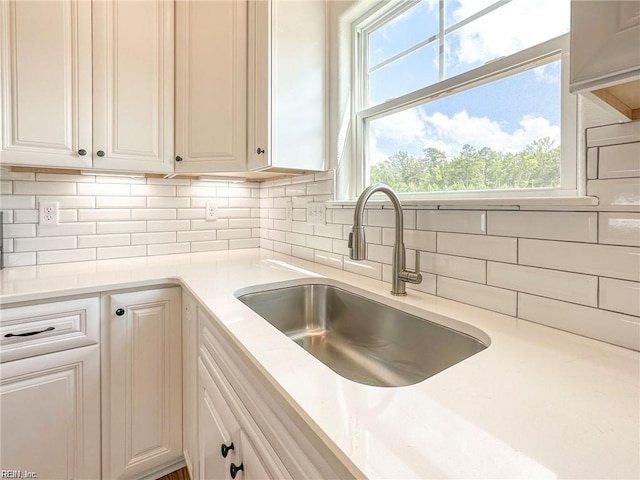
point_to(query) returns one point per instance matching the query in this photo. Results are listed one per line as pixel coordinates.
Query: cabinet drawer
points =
(32, 330)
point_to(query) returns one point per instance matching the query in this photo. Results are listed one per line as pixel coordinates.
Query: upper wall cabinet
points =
(287, 93)
(45, 83)
(605, 54)
(211, 86)
(133, 85)
(48, 96)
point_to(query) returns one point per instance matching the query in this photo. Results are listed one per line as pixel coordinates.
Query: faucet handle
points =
(415, 276)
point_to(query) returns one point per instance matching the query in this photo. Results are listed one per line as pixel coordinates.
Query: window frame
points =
(571, 182)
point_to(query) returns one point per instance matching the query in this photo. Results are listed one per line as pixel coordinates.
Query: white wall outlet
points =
(211, 211)
(48, 213)
(316, 213)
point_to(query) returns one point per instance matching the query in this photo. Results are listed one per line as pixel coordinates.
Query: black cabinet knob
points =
(224, 450)
(233, 470)
(100, 153)
(259, 151)
(178, 158)
(120, 312)
(82, 152)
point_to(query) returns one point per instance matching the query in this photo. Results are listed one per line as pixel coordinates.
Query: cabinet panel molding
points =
(133, 86)
(45, 86)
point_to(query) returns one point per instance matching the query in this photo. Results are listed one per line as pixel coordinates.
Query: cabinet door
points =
(190, 383)
(145, 383)
(45, 83)
(211, 85)
(50, 414)
(217, 427)
(133, 85)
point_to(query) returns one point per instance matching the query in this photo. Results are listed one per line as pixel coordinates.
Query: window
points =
(466, 96)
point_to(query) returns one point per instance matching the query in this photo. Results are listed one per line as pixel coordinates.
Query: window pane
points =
(510, 28)
(458, 10)
(406, 74)
(501, 135)
(408, 29)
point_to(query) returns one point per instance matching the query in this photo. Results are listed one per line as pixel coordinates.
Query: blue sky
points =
(513, 111)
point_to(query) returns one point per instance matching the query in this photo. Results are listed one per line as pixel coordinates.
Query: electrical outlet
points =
(48, 213)
(211, 211)
(316, 213)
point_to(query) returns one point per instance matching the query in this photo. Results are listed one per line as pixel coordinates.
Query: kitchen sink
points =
(362, 339)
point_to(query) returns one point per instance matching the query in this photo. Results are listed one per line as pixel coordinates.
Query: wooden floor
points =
(181, 474)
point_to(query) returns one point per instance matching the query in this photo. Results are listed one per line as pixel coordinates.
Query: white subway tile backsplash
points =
(64, 177)
(363, 267)
(233, 192)
(604, 260)
(342, 215)
(106, 253)
(620, 296)
(340, 246)
(19, 230)
(197, 235)
(244, 243)
(619, 161)
(461, 268)
(168, 248)
(168, 225)
(330, 259)
(121, 227)
(301, 252)
(469, 221)
(619, 228)
(282, 248)
(24, 216)
(70, 202)
(121, 202)
(500, 249)
(417, 239)
(190, 213)
(302, 227)
(380, 253)
(64, 256)
(153, 190)
(103, 214)
(616, 194)
(324, 187)
(244, 203)
(295, 238)
(157, 237)
(86, 228)
(570, 226)
(154, 214)
(6, 187)
(117, 189)
(491, 298)
(329, 230)
(319, 243)
(592, 163)
(44, 188)
(37, 244)
(234, 213)
(386, 218)
(20, 259)
(607, 326)
(115, 240)
(165, 202)
(205, 225)
(570, 287)
(244, 222)
(209, 246)
(17, 201)
(234, 233)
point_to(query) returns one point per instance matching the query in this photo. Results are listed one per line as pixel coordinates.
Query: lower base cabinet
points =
(142, 383)
(50, 415)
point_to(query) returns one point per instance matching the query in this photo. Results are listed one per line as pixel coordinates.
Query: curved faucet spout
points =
(358, 243)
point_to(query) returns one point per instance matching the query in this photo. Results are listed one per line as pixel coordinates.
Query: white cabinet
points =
(142, 382)
(231, 445)
(211, 86)
(45, 83)
(47, 96)
(190, 384)
(605, 53)
(287, 93)
(50, 414)
(133, 85)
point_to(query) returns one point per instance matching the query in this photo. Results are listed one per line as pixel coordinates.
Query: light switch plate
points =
(316, 213)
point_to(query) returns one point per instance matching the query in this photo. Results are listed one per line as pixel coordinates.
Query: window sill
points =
(550, 202)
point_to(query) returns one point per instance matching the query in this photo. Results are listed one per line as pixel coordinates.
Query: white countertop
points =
(538, 403)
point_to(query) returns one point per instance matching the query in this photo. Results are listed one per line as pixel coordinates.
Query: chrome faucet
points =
(358, 243)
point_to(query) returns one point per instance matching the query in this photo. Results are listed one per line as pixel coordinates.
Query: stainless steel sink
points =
(361, 339)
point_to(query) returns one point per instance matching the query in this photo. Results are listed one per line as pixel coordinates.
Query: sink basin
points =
(361, 339)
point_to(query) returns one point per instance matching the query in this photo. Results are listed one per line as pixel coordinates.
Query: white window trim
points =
(572, 171)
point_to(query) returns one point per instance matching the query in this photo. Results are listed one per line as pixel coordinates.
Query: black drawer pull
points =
(233, 470)
(224, 450)
(28, 334)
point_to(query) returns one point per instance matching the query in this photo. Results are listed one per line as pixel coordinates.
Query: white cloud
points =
(512, 27)
(412, 131)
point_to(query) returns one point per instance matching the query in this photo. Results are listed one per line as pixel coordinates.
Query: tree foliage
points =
(535, 166)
